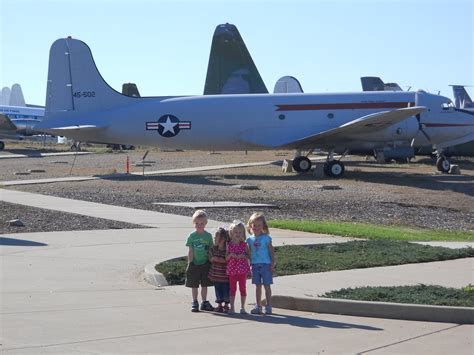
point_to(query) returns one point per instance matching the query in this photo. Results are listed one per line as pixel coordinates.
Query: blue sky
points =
(163, 46)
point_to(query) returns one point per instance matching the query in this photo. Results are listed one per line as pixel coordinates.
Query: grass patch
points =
(372, 231)
(419, 294)
(295, 259)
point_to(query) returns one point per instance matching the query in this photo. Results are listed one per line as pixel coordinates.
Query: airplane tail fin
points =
(16, 96)
(287, 84)
(461, 97)
(5, 96)
(130, 89)
(374, 83)
(74, 83)
(231, 69)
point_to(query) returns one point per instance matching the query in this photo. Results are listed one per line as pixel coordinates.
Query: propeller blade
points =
(425, 134)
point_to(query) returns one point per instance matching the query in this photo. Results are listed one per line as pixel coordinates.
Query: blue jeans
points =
(262, 274)
(222, 292)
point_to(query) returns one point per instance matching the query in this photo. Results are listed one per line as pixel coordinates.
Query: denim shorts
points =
(262, 274)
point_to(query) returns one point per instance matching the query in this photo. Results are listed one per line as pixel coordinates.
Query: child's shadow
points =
(296, 321)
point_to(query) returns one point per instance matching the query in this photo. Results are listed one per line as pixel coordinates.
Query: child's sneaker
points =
(243, 311)
(256, 310)
(226, 308)
(219, 309)
(206, 306)
(195, 306)
(268, 309)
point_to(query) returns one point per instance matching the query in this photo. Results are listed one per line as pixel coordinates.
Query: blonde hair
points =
(257, 216)
(199, 214)
(234, 226)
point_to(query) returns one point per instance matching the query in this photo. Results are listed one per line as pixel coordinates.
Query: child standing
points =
(198, 244)
(262, 258)
(237, 264)
(218, 274)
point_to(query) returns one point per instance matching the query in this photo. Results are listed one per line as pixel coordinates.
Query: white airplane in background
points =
(81, 105)
(17, 119)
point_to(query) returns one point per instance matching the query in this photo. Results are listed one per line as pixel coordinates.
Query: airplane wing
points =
(367, 124)
(63, 131)
(6, 124)
(282, 138)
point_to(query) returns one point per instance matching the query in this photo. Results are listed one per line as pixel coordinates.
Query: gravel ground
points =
(42, 220)
(410, 195)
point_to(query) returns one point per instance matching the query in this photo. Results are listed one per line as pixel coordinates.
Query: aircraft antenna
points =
(74, 161)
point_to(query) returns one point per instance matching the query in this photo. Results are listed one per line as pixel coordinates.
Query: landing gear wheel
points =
(301, 164)
(334, 169)
(2, 145)
(442, 164)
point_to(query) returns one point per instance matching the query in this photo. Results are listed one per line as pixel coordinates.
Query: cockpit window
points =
(447, 105)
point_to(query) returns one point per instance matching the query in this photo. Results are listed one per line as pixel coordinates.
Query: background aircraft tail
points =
(374, 83)
(286, 85)
(461, 97)
(74, 83)
(16, 96)
(231, 69)
(5, 96)
(130, 89)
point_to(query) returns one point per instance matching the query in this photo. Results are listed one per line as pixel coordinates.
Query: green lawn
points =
(419, 294)
(372, 231)
(293, 259)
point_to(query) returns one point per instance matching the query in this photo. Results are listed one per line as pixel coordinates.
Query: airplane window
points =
(281, 117)
(330, 115)
(447, 105)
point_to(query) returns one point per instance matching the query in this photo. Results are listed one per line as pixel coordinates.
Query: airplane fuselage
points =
(230, 122)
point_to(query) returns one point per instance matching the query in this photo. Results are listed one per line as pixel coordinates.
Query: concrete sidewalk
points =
(83, 291)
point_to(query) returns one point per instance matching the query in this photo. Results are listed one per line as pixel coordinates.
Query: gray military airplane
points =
(229, 55)
(81, 105)
(442, 151)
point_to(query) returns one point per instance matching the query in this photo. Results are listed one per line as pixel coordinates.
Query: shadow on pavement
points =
(20, 242)
(295, 321)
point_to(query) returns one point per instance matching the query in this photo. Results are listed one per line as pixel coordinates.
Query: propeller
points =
(420, 129)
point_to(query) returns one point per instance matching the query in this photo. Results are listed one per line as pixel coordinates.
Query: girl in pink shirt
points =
(238, 266)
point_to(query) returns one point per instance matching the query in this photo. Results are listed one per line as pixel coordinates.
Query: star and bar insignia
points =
(168, 126)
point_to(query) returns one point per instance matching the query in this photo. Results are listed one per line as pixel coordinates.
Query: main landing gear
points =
(301, 164)
(442, 164)
(332, 168)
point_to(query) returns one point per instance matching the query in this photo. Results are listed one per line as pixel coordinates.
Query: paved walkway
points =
(83, 292)
(146, 173)
(35, 154)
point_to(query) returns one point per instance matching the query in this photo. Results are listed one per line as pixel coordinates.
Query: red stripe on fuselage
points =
(344, 106)
(446, 125)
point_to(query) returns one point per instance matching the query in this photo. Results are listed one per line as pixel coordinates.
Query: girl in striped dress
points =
(217, 273)
(237, 264)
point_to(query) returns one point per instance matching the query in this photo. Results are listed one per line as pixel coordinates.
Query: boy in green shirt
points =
(198, 244)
